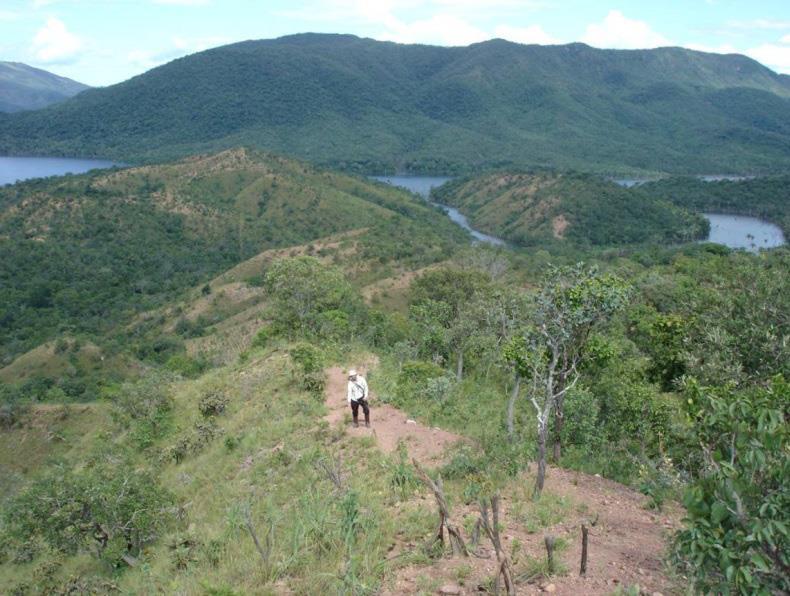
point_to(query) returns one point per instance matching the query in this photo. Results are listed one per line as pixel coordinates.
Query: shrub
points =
(213, 404)
(186, 366)
(12, 413)
(736, 537)
(114, 510)
(415, 374)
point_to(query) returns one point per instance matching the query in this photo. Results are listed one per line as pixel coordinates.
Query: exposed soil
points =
(626, 543)
(389, 425)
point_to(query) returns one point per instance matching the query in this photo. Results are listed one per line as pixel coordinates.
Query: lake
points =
(741, 231)
(16, 169)
(422, 185)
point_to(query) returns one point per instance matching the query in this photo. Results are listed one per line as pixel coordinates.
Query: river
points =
(422, 185)
(735, 231)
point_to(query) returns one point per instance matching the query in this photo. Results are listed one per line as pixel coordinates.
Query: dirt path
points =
(389, 425)
(627, 541)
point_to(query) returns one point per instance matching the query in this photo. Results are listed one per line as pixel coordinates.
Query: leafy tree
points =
(571, 302)
(736, 537)
(309, 296)
(114, 510)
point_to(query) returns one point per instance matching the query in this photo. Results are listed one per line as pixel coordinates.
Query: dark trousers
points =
(355, 410)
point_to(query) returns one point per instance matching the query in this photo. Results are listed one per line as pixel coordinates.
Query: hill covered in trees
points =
(360, 103)
(767, 197)
(533, 209)
(23, 87)
(82, 253)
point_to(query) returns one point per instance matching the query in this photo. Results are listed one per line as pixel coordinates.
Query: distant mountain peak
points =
(24, 87)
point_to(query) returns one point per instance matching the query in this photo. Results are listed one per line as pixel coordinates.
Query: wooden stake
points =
(583, 568)
(549, 541)
(453, 533)
(505, 570)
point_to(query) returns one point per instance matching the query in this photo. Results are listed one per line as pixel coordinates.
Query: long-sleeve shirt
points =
(358, 389)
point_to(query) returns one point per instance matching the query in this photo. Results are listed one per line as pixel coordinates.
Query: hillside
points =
(360, 103)
(23, 87)
(245, 476)
(85, 253)
(541, 208)
(767, 197)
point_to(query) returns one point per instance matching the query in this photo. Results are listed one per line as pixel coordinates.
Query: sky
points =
(101, 42)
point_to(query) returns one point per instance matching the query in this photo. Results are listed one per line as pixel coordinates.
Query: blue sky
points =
(101, 42)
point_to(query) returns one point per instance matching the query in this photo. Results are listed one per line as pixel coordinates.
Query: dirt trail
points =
(388, 425)
(627, 541)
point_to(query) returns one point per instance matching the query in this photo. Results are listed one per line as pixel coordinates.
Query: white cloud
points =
(527, 35)
(179, 46)
(774, 56)
(54, 43)
(618, 31)
(760, 24)
(785, 39)
(443, 29)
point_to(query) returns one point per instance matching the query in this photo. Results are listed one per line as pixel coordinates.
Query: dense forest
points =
(767, 197)
(535, 209)
(374, 106)
(83, 253)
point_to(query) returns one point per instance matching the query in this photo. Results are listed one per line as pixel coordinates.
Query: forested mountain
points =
(362, 103)
(537, 208)
(84, 252)
(23, 87)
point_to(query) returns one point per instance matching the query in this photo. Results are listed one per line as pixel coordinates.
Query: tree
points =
(305, 292)
(114, 509)
(571, 302)
(736, 537)
(439, 304)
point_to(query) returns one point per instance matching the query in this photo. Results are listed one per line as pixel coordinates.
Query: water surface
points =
(16, 169)
(741, 231)
(422, 185)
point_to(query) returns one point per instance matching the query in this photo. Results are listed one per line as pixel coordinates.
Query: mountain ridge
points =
(358, 103)
(24, 87)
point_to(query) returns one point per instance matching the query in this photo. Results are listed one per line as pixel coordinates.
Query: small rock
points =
(597, 475)
(450, 590)
(550, 588)
(656, 594)
(641, 571)
(410, 421)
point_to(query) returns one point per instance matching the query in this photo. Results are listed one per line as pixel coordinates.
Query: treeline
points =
(544, 207)
(82, 254)
(361, 103)
(767, 197)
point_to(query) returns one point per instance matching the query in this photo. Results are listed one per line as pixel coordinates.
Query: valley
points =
(574, 342)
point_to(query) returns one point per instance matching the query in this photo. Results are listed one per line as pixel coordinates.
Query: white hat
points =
(352, 373)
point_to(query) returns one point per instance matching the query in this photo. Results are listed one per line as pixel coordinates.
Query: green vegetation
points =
(542, 208)
(368, 105)
(83, 254)
(764, 197)
(174, 302)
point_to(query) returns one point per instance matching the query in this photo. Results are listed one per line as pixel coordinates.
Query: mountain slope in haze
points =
(537, 208)
(23, 87)
(362, 103)
(86, 252)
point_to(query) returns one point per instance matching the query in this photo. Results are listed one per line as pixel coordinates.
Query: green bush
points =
(415, 374)
(736, 537)
(108, 511)
(213, 404)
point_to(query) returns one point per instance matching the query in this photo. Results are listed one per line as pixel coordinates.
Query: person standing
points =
(358, 396)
